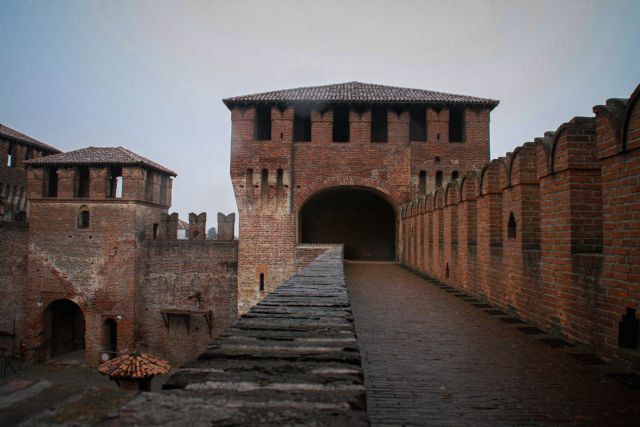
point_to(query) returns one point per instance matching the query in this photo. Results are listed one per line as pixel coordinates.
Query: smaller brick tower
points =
(91, 210)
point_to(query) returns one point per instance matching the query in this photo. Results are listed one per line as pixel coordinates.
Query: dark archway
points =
(64, 328)
(358, 218)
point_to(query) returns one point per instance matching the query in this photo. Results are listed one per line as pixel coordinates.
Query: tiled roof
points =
(7, 132)
(134, 365)
(98, 155)
(356, 92)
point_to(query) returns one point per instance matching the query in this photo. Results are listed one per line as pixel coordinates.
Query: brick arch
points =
(523, 167)
(307, 192)
(490, 176)
(451, 194)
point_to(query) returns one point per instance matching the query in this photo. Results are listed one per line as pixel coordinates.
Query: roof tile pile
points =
(134, 365)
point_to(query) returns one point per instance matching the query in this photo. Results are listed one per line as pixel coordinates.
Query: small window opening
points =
(302, 124)
(418, 123)
(11, 156)
(148, 186)
(261, 286)
(114, 189)
(628, 330)
(439, 179)
(379, 124)
(264, 185)
(82, 182)
(155, 231)
(456, 124)
(423, 182)
(83, 217)
(454, 175)
(437, 159)
(511, 226)
(262, 130)
(50, 183)
(341, 123)
(446, 273)
(163, 189)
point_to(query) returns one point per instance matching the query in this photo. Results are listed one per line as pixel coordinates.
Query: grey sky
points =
(151, 75)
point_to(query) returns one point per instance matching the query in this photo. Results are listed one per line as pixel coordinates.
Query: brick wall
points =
(273, 179)
(550, 232)
(185, 275)
(13, 274)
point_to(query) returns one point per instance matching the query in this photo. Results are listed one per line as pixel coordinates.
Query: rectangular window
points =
(148, 186)
(418, 123)
(114, 182)
(82, 182)
(423, 182)
(456, 124)
(341, 124)
(302, 124)
(439, 179)
(262, 130)
(379, 124)
(11, 155)
(50, 183)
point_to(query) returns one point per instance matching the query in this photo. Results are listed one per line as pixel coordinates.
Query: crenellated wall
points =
(550, 232)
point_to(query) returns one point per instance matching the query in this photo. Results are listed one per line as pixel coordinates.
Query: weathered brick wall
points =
(13, 275)
(191, 276)
(273, 179)
(550, 232)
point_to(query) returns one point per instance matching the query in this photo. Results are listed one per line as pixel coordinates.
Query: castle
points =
(548, 232)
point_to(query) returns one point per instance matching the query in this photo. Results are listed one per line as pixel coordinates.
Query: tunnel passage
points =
(64, 328)
(356, 217)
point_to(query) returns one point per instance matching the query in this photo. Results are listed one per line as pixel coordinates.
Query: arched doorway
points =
(354, 216)
(109, 336)
(64, 328)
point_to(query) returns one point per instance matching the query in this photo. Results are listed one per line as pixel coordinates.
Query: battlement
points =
(545, 231)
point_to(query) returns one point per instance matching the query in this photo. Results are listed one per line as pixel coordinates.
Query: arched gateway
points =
(63, 328)
(357, 217)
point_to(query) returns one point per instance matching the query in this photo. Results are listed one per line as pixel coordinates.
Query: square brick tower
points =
(333, 164)
(91, 210)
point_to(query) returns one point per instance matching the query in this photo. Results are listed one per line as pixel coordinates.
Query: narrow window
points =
(341, 123)
(628, 330)
(279, 186)
(114, 187)
(456, 124)
(83, 217)
(163, 189)
(418, 123)
(437, 159)
(379, 124)
(50, 183)
(262, 130)
(511, 226)
(302, 124)
(11, 155)
(261, 286)
(423, 182)
(454, 175)
(446, 274)
(264, 185)
(148, 186)
(439, 179)
(82, 182)
(155, 231)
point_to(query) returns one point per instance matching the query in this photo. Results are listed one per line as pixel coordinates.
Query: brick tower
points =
(91, 210)
(333, 164)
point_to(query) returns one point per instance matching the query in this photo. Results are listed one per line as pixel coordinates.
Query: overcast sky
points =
(150, 75)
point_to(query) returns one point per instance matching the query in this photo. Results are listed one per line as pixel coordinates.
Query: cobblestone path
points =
(431, 358)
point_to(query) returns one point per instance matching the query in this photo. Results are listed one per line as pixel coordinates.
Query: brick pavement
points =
(431, 358)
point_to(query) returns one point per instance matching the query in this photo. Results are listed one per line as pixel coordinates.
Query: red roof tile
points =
(357, 92)
(100, 156)
(7, 132)
(134, 365)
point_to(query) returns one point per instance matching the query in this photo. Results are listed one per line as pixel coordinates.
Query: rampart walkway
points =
(432, 358)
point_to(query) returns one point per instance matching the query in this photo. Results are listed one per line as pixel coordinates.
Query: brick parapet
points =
(555, 225)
